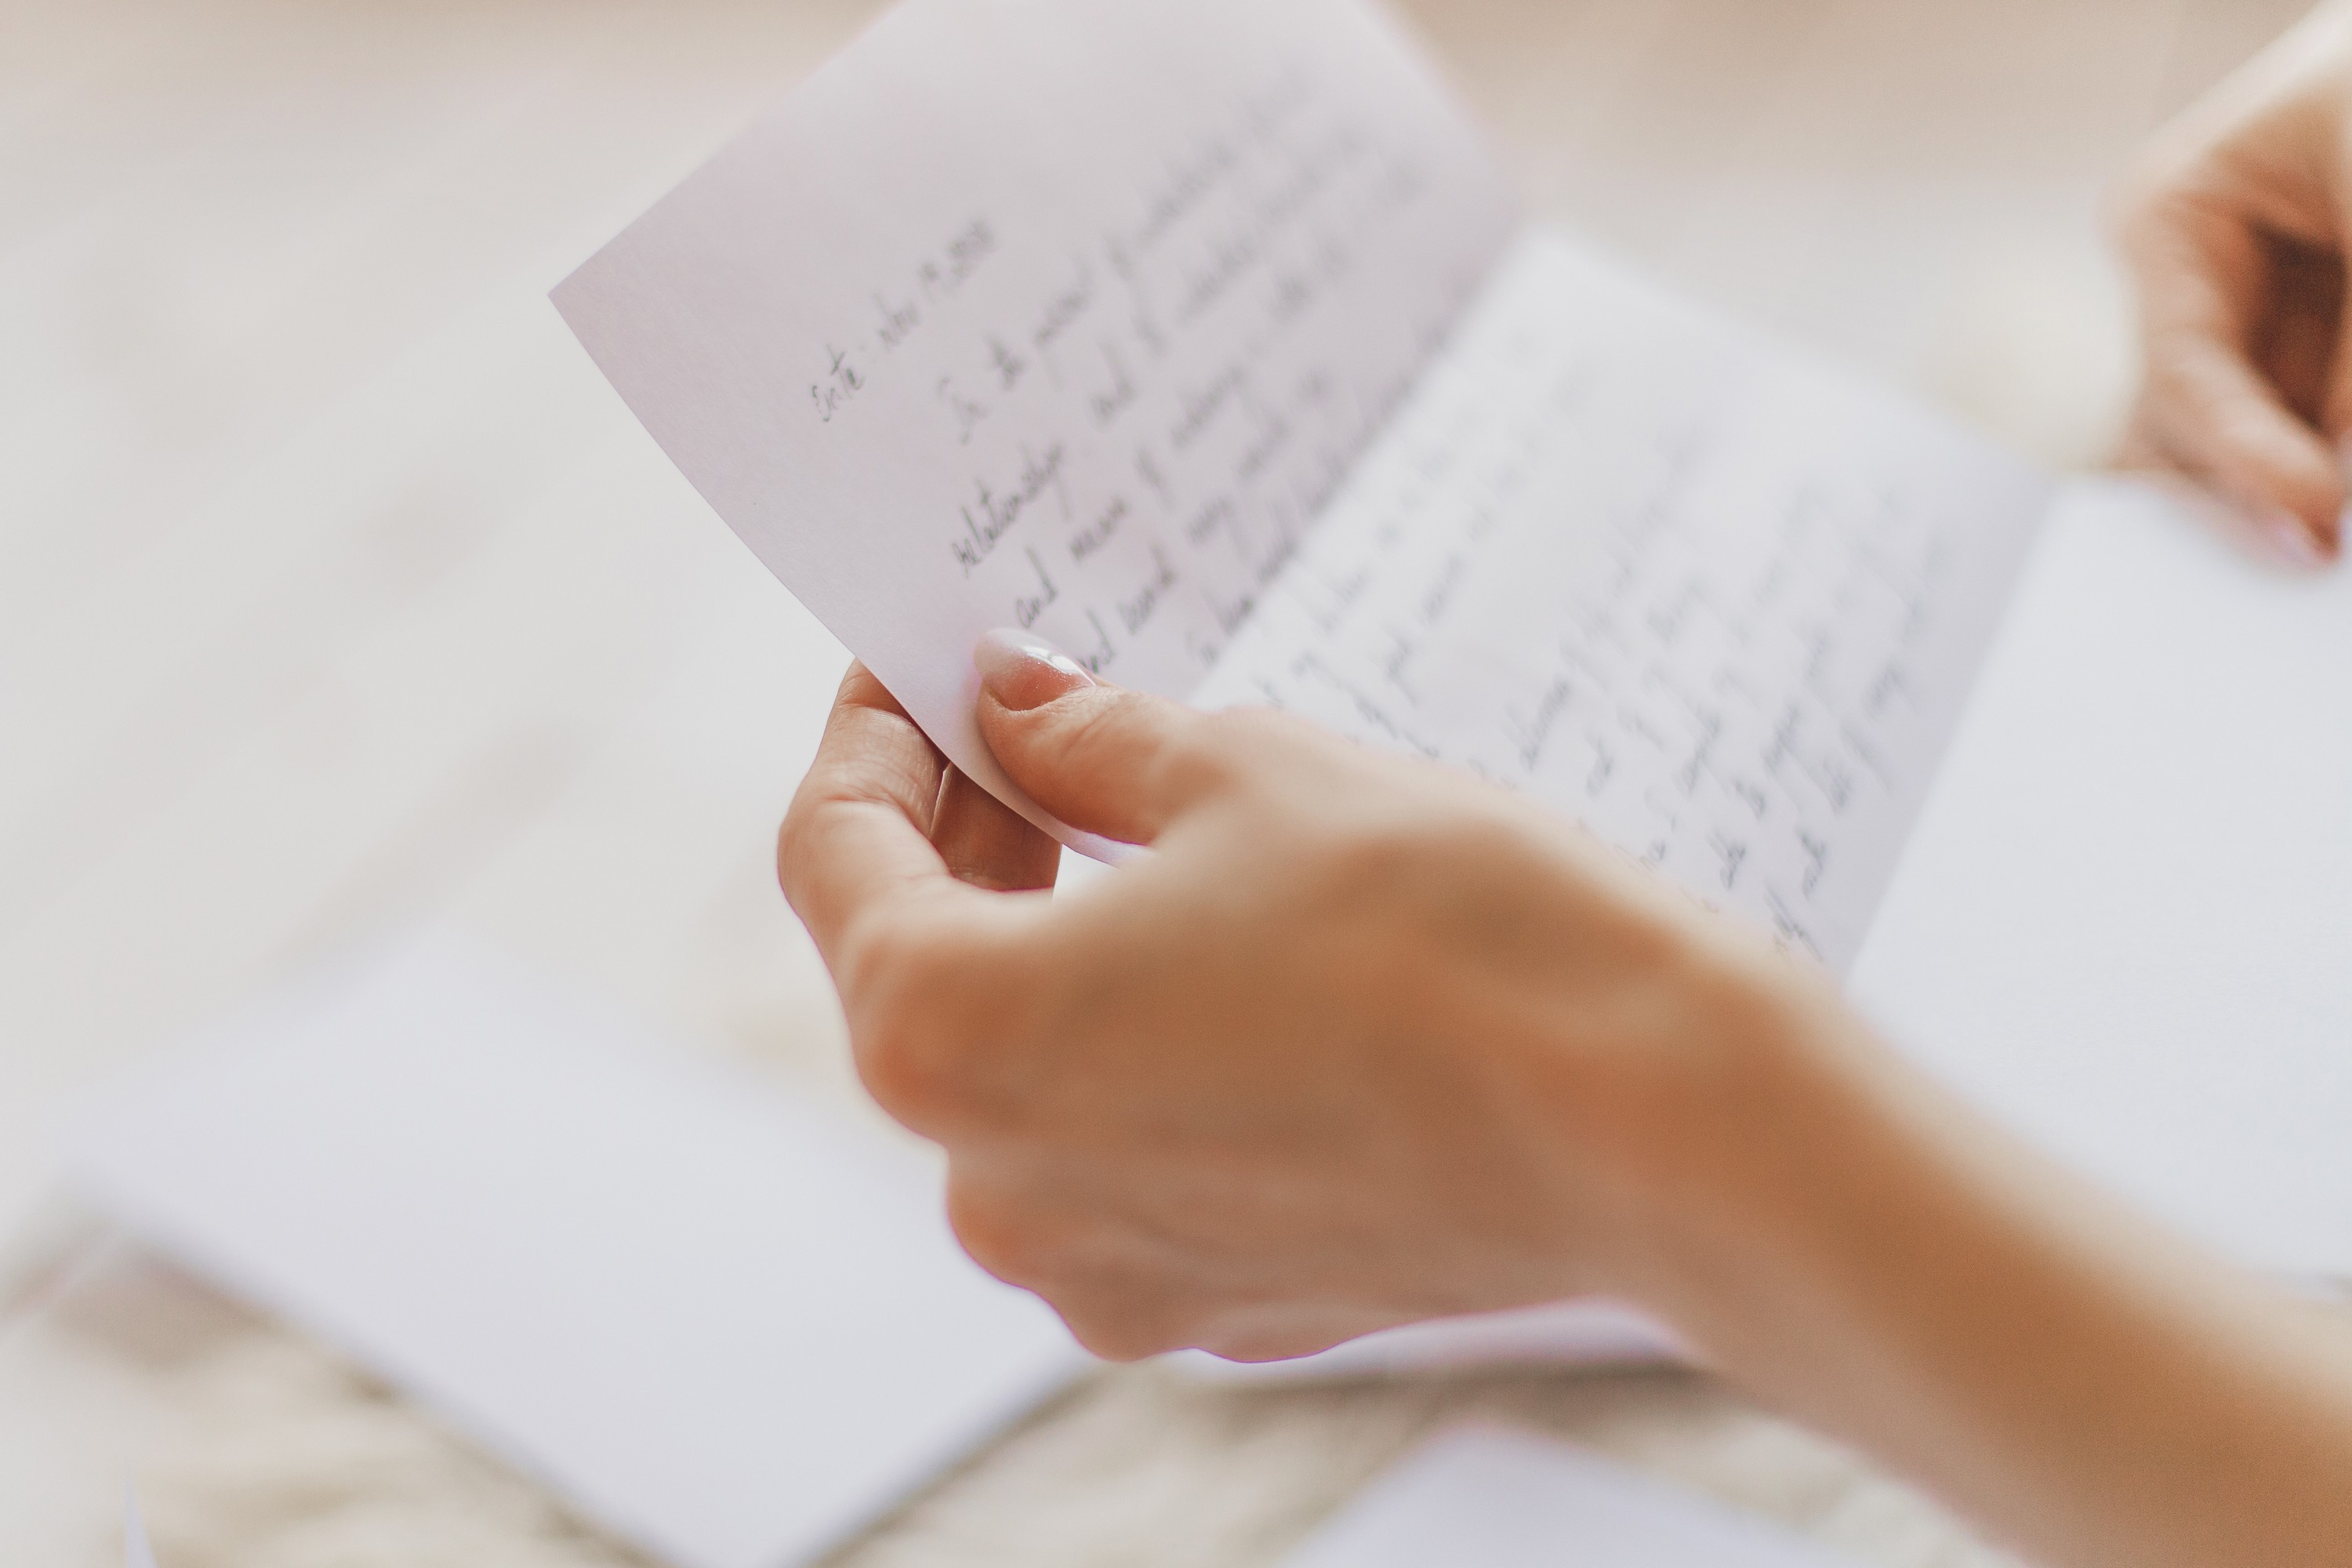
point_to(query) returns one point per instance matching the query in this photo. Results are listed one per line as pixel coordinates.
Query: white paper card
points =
(724, 1326)
(1718, 602)
(1489, 1496)
(2125, 922)
(1051, 315)
(1127, 337)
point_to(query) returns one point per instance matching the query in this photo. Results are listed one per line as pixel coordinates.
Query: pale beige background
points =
(333, 595)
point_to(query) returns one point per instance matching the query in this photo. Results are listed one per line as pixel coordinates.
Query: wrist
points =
(1705, 1145)
(1853, 1245)
(1792, 1142)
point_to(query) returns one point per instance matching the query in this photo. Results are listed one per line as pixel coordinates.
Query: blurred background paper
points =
(721, 1326)
(1595, 1331)
(2124, 924)
(136, 1552)
(1489, 1497)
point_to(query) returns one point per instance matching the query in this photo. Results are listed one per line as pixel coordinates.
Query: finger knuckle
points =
(1112, 1325)
(1389, 853)
(793, 852)
(903, 1069)
(1250, 731)
(1221, 750)
(907, 1037)
(1009, 1238)
(788, 855)
(1241, 1340)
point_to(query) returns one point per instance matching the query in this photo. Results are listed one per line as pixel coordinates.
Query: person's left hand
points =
(2234, 225)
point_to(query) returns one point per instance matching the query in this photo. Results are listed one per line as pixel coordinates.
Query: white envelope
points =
(720, 1325)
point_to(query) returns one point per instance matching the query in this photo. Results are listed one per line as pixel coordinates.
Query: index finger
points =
(855, 843)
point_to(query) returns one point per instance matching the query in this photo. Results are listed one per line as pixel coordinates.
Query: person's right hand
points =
(1361, 1041)
(2237, 227)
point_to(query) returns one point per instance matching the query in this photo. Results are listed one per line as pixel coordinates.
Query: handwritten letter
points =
(1718, 604)
(1051, 315)
(1196, 339)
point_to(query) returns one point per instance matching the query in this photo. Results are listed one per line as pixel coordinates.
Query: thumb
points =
(1102, 759)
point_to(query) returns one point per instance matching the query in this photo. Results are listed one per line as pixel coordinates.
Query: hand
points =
(1362, 1041)
(2236, 229)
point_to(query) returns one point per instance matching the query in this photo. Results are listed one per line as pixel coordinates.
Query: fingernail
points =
(1022, 670)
